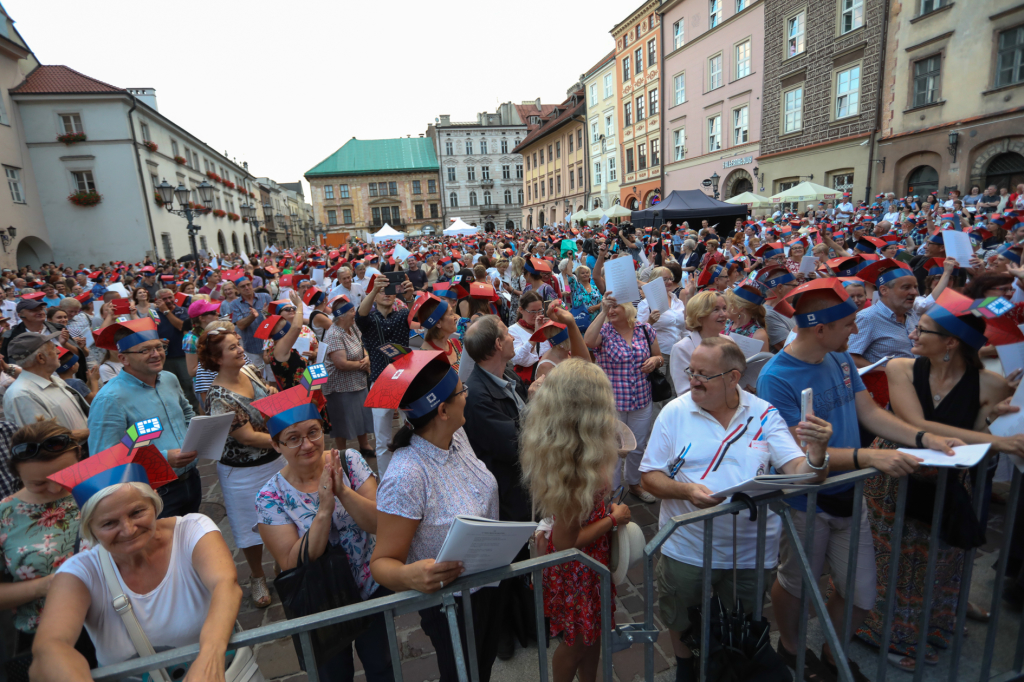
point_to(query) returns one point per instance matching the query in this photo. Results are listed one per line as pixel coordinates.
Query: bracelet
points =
(856, 462)
(615, 524)
(824, 464)
(920, 439)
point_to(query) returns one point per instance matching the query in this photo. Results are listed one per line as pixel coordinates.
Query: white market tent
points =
(750, 199)
(618, 211)
(387, 233)
(459, 226)
(806, 191)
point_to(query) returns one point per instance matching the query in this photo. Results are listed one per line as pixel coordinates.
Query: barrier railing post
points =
(805, 582)
(396, 654)
(606, 623)
(965, 579)
(649, 615)
(851, 567)
(929, 575)
(762, 531)
(467, 605)
(448, 606)
(705, 603)
(997, 587)
(542, 633)
(890, 593)
(312, 674)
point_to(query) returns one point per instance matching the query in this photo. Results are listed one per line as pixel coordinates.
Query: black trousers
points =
(182, 496)
(486, 630)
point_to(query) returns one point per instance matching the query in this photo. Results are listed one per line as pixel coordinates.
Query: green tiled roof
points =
(358, 157)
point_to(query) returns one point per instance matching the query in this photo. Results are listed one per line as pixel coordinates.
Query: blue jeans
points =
(373, 649)
(182, 496)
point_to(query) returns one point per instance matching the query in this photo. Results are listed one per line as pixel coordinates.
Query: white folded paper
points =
(620, 279)
(656, 295)
(808, 265)
(765, 482)
(864, 370)
(482, 544)
(207, 435)
(963, 455)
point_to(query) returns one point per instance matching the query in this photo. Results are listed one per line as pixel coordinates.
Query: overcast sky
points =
(283, 85)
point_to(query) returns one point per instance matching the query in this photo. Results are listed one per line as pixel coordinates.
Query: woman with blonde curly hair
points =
(705, 317)
(567, 452)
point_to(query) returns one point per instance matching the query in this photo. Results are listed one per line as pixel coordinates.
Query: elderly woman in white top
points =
(177, 573)
(669, 324)
(706, 315)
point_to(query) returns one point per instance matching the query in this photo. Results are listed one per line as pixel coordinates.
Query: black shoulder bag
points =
(661, 389)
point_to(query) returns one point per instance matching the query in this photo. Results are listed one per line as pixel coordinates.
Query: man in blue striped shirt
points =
(884, 327)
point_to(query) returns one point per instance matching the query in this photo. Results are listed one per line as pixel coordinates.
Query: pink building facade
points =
(712, 73)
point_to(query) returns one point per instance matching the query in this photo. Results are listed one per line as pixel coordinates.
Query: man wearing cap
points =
(884, 328)
(818, 359)
(143, 390)
(33, 319)
(247, 312)
(38, 392)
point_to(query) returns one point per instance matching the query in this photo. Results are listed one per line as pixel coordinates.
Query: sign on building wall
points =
(738, 162)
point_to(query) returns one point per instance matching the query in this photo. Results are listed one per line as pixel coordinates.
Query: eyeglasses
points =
(928, 331)
(533, 312)
(465, 389)
(51, 444)
(161, 349)
(690, 374)
(294, 441)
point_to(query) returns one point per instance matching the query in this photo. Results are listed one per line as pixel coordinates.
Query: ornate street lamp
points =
(714, 183)
(167, 195)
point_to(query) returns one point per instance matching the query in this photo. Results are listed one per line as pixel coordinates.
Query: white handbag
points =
(243, 666)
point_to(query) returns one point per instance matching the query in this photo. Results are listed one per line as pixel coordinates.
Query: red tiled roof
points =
(61, 79)
(550, 125)
(600, 63)
(530, 109)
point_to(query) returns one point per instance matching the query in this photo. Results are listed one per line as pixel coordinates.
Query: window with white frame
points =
(174, 148)
(847, 92)
(640, 108)
(83, 181)
(593, 130)
(638, 55)
(714, 133)
(627, 113)
(1010, 63)
(487, 198)
(593, 94)
(931, 5)
(471, 173)
(609, 129)
(451, 174)
(793, 105)
(715, 72)
(485, 172)
(926, 80)
(328, 191)
(520, 195)
(714, 13)
(506, 172)
(679, 87)
(483, 146)
(625, 69)
(655, 152)
(795, 27)
(71, 123)
(608, 85)
(346, 215)
(332, 217)
(504, 146)
(14, 184)
(449, 149)
(508, 197)
(679, 144)
(611, 169)
(740, 131)
(652, 52)
(852, 16)
(472, 199)
(469, 146)
(677, 34)
(145, 132)
(4, 120)
(343, 191)
(652, 100)
(743, 59)
(741, 5)
(519, 171)
(597, 172)
(453, 200)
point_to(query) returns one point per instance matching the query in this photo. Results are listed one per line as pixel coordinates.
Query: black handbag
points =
(320, 585)
(661, 389)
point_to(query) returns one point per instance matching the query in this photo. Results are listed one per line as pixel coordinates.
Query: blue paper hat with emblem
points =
(388, 391)
(132, 459)
(296, 404)
(833, 285)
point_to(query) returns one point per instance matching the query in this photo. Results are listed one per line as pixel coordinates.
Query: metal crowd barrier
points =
(810, 583)
(395, 605)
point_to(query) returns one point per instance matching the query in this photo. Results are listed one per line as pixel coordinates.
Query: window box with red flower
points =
(213, 176)
(234, 217)
(220, 213)
(71, 138)
(151, 146)
(229, 184)
(158, 199)
(180, 160)
(90, 198)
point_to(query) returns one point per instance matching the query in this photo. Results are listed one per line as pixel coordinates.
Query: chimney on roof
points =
(145, 95)
(537, 102)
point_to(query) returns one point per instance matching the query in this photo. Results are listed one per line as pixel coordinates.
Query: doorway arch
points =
(33, 252)
(221, 243)
(540, 218)
(922, 181)
(234, 242)
(488, 226)
(245, 240)
(1005, 170)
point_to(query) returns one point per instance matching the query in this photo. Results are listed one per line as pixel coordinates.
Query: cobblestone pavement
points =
(278, 660)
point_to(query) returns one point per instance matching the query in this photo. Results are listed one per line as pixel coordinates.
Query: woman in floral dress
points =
(569, 477)
(38, 530)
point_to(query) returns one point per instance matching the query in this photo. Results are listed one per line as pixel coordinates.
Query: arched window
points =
(234, 242)
(245, 238)
(472, 198)
(923, 181)
(487, 198)
(453, 200)
(508, 196)
(520, 195)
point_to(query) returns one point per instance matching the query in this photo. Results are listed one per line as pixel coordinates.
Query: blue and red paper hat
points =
(950, 306)
(884, 271)
(132, 459)
(552, 332)
(435, 316)
(388, 391)
(774, 276)
(752, 291)
(846, 266)
(296, 404)
(842, 309)
(143, 329)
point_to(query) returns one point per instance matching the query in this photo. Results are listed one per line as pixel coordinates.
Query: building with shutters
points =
(603, 132)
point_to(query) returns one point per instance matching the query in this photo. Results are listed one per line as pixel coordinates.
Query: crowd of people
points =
(493, 375)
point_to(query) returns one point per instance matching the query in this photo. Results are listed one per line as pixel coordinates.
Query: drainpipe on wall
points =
(878, 109)
(664, 100)
(142, 177)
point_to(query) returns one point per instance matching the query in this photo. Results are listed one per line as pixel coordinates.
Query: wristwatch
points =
(824, 464)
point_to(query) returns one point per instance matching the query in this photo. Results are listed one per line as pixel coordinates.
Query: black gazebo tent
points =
(693, 206)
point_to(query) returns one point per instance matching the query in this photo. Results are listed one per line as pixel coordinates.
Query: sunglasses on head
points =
(51, 444)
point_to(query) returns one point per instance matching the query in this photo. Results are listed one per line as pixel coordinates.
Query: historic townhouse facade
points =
(603, 133)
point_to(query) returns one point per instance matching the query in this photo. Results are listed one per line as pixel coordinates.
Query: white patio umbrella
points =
(805, 191)
(750, 199)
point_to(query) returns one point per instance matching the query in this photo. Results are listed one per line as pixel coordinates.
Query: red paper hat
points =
(869, 244)
(884, 271)
(286, 281)
(266, 327)
(275, 307)
(449, 290)
(388, 391)
(181, 300)
(83, 297)
(144, 330)
(844, 308)
(845, 266)
(774, 275)
(233, 274)
(709, 274)
(435, 315)
(313, 296)
(298, 403)
(552, 332)
(149, 269)
(801, 240)
(947, 310)
(132, 459)
(34, 296)
(483, 291)
(539, 265)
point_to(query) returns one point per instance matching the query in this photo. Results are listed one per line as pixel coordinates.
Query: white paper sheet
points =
(657, 295)
(207, 435)
(245, 259)
(96, 305)
(482, 544)
(764, 483)
(318, 277)
(321, 352)
(958, 246)
(1011, 356)
(754, 366)
(302, 345)
(119, 288)
(808, 264)
(963, 455)
(749, 346)
(1013, 423)
(864, 370)
(89, 340)
(214, 264)
(620, 279)
(401, 253)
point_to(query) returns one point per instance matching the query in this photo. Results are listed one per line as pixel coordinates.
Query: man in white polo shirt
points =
(710, 439)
